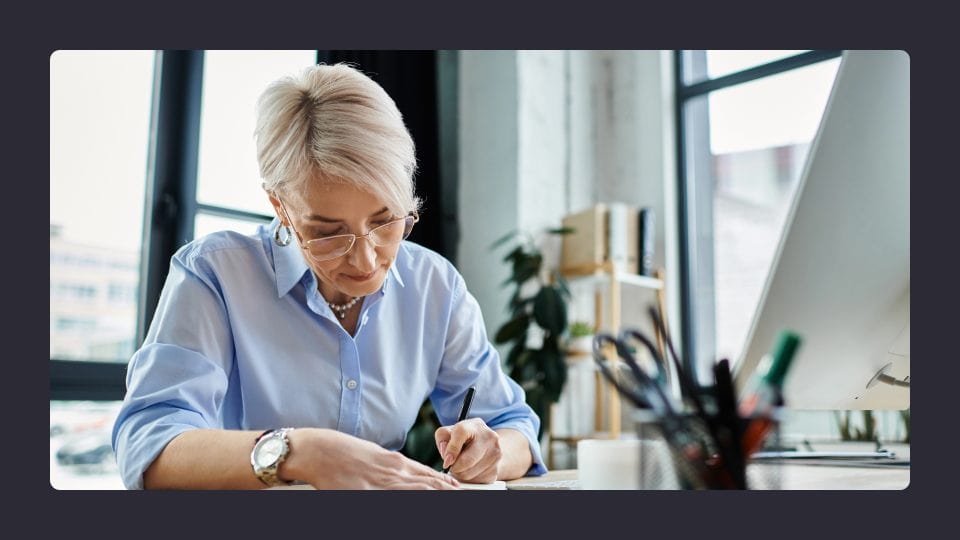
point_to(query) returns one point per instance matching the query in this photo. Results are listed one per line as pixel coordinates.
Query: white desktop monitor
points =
(841, 275)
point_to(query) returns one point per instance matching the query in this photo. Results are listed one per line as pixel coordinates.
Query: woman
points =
(325, 322)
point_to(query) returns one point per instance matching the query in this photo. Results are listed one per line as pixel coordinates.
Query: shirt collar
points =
(393, 271)
(288, 262)
(290, 266)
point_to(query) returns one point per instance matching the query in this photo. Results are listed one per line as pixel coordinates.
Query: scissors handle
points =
(662, 371)
(649, 387)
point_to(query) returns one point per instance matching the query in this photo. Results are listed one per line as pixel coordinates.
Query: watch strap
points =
(269, 475)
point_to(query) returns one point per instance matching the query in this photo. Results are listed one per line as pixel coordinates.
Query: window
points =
(99, 129)
(744, 142)
(229, 193)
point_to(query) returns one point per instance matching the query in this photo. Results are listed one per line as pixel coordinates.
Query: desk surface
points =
(791, 476)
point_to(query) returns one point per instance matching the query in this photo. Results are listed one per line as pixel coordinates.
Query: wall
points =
(546, 133)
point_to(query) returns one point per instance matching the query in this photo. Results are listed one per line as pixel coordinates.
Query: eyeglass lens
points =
(384, 235)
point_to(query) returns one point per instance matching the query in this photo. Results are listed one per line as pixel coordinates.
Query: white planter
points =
(583, 344)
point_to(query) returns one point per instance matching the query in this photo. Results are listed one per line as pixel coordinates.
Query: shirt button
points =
(351, 384)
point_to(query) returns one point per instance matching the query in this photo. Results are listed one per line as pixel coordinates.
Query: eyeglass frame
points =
(305, 243)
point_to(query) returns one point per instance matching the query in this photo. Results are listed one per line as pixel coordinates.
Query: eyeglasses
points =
(388, 234)
(331, 247)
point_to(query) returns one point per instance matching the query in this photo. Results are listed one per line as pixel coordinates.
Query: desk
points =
(792, 477)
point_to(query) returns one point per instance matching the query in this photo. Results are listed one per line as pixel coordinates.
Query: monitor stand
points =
(880, 457)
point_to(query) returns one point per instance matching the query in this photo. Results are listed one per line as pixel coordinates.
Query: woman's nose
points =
(363, 256)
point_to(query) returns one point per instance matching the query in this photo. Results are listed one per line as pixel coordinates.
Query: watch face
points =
(270, 449)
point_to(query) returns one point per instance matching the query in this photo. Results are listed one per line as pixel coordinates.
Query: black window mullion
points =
(172, 175)
(232, 213)
(684, 192)
(685, 92)
(87, 381)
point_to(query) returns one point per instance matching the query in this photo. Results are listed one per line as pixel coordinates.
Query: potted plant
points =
(538, 319)
(581, 338)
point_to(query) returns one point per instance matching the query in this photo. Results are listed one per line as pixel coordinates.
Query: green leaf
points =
(503, 239)
(515, 299)
(562, 230)
(529, 370)
(550, 310)
(526, 267)
(512, 329)
(514, 254)
(555, 374)
(517, 355)
(539, 404)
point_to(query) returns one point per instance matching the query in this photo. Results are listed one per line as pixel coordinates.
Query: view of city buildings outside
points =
(100, 104)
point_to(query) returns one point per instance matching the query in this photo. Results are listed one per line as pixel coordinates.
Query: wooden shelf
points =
(603, 274)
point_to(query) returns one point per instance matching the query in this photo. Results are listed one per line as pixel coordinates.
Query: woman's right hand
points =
(328, 459)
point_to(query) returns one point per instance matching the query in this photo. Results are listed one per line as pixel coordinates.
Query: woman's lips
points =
(365, 277)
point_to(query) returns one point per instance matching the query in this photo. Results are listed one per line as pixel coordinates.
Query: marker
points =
(762, 400)
(464, 411)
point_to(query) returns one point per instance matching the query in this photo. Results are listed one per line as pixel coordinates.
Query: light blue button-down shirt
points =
(242, 339)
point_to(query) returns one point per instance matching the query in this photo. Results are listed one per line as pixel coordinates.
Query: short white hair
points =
(333, 123)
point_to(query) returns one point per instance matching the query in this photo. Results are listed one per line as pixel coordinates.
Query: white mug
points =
(614, 464)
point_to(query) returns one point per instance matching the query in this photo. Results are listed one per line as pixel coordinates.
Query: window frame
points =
(170, 209)
(694, 200)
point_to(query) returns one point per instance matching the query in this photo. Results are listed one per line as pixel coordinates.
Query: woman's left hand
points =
(471, 450)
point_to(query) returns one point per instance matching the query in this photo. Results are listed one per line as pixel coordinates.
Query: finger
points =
(423, 485)
(471, 455)
(441, 483)
(432, 479)
(485, 471)
(421, 471)
(479, 462)
(442, 434)
(460, 436)
(442, 437)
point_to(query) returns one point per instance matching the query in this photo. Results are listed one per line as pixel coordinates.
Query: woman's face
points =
(328, 209)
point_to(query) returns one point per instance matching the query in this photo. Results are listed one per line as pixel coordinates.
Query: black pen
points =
(464, 411)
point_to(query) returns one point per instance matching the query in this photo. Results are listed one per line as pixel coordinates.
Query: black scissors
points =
(663, 374)
(684, 444)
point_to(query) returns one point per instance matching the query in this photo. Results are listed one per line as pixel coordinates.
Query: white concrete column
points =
(489, 170)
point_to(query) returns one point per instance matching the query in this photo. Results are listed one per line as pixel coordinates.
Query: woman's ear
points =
(278, 208)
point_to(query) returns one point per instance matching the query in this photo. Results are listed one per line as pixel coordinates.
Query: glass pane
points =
(205, 224)
(228, 174)
(759, 135)
(100, 103)
(81, 456)
(711, 64)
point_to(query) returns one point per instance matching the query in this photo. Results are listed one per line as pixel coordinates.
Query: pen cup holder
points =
(691, 458)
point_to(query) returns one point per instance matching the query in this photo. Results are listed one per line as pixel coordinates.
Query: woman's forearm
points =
(205, 459)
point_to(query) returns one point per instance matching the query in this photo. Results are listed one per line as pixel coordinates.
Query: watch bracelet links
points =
(270, 478)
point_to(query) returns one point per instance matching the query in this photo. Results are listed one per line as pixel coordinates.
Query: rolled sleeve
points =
(470, 359)
(177, 380)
